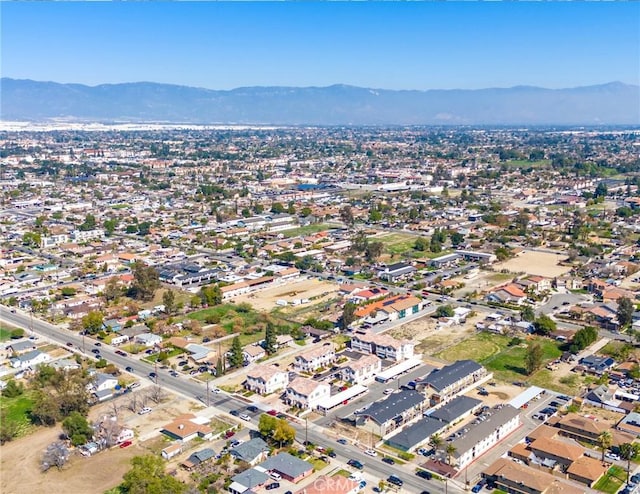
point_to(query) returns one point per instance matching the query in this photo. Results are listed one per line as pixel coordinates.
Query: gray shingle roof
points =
(251, 478)
(287, 464)
(440, 379)
(395, 404)
(455, 408)
(250, 450)
(483, 429)
(417, 433)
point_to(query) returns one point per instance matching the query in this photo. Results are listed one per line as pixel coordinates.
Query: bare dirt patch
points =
(538, 263)
(312, 289)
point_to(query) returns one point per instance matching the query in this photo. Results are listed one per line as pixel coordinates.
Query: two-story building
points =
(321, 356)
(362, 370)
(266, 379)
(446, 383)
(306, 393)
(382, 345)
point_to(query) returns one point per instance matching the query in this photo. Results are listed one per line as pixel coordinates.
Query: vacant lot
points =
(306, 230)
(532, 262)
(312, 289)
(502, 355)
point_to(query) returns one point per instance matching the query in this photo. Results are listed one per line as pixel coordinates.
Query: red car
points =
(125, 444)
(272, 412)
(229, 434)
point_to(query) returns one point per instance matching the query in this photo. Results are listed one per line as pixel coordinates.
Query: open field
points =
(528, 164)
(265, 300)
(5, 334)
(533, 262)
(306, 230)
(395, 243)
(499, 355)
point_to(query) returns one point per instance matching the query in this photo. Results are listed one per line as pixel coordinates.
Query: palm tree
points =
(604, 441)
(435, 442)
(628, 451)
(450, 450)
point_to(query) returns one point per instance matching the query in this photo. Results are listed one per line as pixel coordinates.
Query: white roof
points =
(403, 366)
(526, 396)
(347, 394)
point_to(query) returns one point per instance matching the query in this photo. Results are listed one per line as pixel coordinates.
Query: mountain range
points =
(613, 103)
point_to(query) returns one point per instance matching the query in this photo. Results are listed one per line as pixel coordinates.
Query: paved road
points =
(223, 402)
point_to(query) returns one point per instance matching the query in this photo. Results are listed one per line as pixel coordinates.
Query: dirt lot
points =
(532, 262)
(265, 300)
(19, 460)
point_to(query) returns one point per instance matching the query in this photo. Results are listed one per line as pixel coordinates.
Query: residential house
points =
(588, 429)
(187, 427)
(288, 467)
(321, 356)
(172, 450)
(382, 345)
(396, 272)
(306, 393)
(362, 370)
(266, 379)
(148, 339)
(248, 481)
(198, 458)
(253, 451)
(416, 435)
(510, 476)
(507, 294)
(252, 353)
(389, 309)
(30, 360)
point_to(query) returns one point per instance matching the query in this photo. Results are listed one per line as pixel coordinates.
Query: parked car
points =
(95, 350)
(273, 485)
(355, 464)
(126, 444)
(331, 454)
(342, 441)
(388, 460)
(244, 416)
(134, 385)
(388, 391)
(129, 369)
(216, 390)
(424, 474)
(144, 411)
(121, 353)
(371, 452)
(97, 343)
(612, 456)
(272, 413)
(229, 434)
(252, 408)
(395, 480)
(153, 375)
(476, 488)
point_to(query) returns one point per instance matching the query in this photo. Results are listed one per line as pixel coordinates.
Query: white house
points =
(362, 370)
(306, 393)
(30, 359)
(103, 382)
(265, 379)
(384, 346)
(148, 339)
(321, 356)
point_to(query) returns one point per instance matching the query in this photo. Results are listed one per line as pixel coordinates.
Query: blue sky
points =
(391, 45)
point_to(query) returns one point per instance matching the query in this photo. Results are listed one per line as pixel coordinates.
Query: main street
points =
(223, 402)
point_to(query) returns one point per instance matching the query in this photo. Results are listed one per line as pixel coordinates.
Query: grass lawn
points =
(174, 352)
(17, 410)
(342, 473)
(5, 334)
(528, 164)
(493, 352)
(396, 243)
(317, 463)
(612, 481)
(306, 230)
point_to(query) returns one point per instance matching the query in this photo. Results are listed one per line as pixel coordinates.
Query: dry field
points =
(20, 460)
(539, 263)
(265, 300)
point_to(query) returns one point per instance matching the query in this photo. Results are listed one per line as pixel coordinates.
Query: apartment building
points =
(266, 379)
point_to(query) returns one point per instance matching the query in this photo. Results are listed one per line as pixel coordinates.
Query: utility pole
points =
(306, 431)
(208, 392)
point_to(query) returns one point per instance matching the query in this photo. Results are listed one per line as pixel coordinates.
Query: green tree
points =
(435, 441)
(284, 433)
(625, 312)
(346, 215)
(112, 290)
(31, 239)
(270, 339)
(306, 211)
(147, 476)
(211, 295)
(583, 338)
(444, 311)
(13, 389)
(277, 208)
(92, 323)
(17, 333)
(544, 325)
(421, 244)
(77, 428)
(45, 409)
(110, 226)
(628, 451)
(601, 190)
(348, 315)
(266, 425)
(169, 301)
(236, 359)
(373, 250)
(375, 215)
(533, 357)
(165, 242)
(527, 313)
(456, 239)
(89, 223)
(450, 450)
(146, 281)
(605, 440)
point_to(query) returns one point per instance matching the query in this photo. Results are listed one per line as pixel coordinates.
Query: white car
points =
(371, 452)
(612, 456)
(216, 390)
(388, 391)
(244, 416)
(145, 410)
